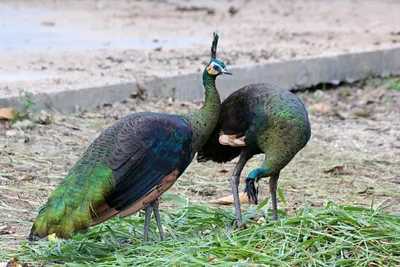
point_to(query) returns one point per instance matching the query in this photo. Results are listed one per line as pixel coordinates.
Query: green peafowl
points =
(130, 165)
(258, 118)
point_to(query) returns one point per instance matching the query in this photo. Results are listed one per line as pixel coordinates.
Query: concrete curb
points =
(291, 74)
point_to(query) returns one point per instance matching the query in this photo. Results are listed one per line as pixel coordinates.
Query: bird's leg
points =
(234, 180)
(149, 210)
(158, 220)
(273, 183)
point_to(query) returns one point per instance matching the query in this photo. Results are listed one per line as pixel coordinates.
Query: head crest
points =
(214, 46)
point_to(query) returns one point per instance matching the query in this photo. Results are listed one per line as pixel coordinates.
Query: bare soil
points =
(353, 156)
(50, 46)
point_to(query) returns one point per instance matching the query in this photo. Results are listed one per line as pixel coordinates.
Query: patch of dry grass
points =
(35, 158)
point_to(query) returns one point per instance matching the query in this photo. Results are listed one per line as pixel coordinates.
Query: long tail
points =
(71, 205)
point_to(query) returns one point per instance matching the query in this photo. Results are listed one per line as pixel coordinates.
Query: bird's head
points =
(216, 67)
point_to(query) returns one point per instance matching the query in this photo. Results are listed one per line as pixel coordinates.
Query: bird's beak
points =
(225, 71)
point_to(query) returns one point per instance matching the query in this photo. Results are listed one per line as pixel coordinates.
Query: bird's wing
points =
(235, 119)
(148, 148)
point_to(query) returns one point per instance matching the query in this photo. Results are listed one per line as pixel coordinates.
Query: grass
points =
(203, 235)
(392, 82)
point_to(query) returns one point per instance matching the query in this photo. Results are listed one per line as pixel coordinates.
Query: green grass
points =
(202, 235)
(394, 83)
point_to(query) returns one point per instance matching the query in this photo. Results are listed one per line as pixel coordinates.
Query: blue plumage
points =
(156, 145)
(130, 165)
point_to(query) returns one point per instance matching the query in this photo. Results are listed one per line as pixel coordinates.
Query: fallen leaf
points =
(321, 107)
(14, 262)
(223, 171)
(82, 138)
(29, 178)
(8, 114)
(338, 170)
(228, 200)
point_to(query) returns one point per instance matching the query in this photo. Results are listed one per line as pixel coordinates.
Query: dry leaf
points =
(338, 170)
(228, 200)
(8, 114)
(29, 178)
(14, 262)
(223, 171)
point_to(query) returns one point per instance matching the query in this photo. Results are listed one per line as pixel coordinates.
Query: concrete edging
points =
(291, 74)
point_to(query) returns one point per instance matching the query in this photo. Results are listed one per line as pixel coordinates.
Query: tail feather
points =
(70, 206)
(102, 214)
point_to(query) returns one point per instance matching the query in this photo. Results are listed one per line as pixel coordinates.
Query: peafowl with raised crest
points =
(130, 165)
(258, 118)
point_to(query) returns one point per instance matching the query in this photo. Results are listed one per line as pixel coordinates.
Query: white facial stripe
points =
(213, 65)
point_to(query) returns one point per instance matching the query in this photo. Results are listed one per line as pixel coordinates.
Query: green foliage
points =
(344, 92)
(394, 83)
(28, 105)
(202, 235)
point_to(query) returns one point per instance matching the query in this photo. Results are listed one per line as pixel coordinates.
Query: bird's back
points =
(141, 153)
(260, 112)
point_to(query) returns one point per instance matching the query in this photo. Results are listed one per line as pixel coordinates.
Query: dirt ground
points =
(52, 46)
(353, 156)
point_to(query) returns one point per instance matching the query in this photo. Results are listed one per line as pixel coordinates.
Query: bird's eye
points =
(217, 68)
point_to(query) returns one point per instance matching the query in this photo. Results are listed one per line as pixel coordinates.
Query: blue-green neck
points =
(204, 120)
(212, 100)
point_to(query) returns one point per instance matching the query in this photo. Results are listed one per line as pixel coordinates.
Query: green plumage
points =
(130, 165)
(204, 120)
(272, 121)
(85, 187)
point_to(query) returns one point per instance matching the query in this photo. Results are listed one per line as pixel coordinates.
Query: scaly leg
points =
(147, 216)
(234, 180)
(158, 220)
(273, 183)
